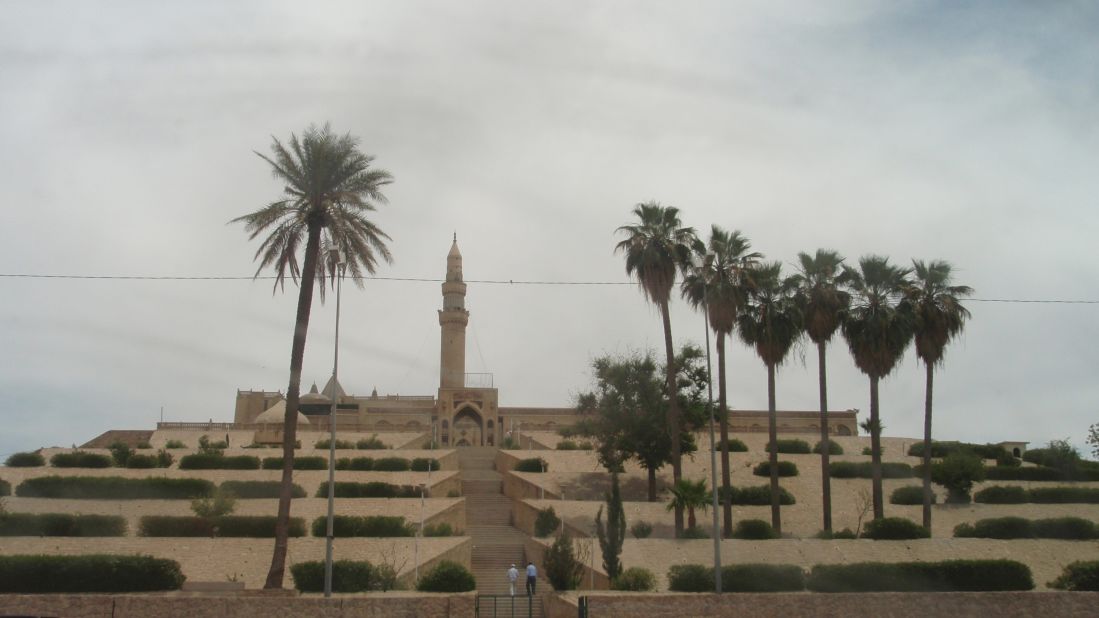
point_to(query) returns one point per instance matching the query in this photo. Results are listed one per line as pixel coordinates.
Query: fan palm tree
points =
(717, 283)
(938, 317)
(822, 302)
(690, 495)
(878, 329)
(329, 190)
(771, 323)
(656, 247)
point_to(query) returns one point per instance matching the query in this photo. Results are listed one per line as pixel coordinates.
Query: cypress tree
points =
(614, 533)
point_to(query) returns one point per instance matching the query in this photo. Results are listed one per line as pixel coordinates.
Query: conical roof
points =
(333, 388)
(454, 248)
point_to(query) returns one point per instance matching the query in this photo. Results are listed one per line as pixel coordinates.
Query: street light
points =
(339, 266)
(419, 533)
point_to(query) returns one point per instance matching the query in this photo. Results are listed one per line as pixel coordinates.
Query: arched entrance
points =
(468, 427)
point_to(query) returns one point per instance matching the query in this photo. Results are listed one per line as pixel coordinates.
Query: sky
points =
(967, 132)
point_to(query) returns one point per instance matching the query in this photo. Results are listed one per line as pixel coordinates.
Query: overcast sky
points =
(960, 131)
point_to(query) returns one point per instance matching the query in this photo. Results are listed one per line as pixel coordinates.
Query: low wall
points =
(392, 604)
(518, 488)
(461, 553)
(892, 604)
(524, 515)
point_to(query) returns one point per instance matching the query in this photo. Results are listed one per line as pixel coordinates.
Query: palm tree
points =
(718, 284)
(878, 329)
(772, 323)
(655, 248)
(329, 190)
(690, 495)
(822, 303)
(938, 318)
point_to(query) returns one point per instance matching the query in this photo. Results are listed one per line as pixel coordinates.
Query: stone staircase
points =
(496, 543)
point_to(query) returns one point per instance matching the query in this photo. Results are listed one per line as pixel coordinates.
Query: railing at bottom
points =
(582, 607)
(506, 606)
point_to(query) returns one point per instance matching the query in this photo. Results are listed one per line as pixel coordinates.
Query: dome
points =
(313, 396)
(276, 413)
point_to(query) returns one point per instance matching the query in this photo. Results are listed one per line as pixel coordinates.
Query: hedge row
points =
(307, 462)
(735, 446)
(347, 576)
(81, 459)
(754, 530)
(370, 525)
(945, 576)
(114, 488)
(864, 470)
(249, 490)
(911, 494)
(5, 488)
(262, 526)
(217, 461)
(25, 460)
(61, 524)
(759, 495)
(534, 464)
(794, 446)
(1067, 528)
(943, 449)
(737, 578)
(833, 448)
(373, 489)
(894, 529)
(386, 464)
(1007, 494)
(447, 576)
(1078, 576)
(1039, 473)
(88, 573)
(785, 468)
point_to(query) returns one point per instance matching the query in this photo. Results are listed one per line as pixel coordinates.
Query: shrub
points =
(258, 526)
(217, 461)
(120, 453)
(61, 524)
(1011, 473)
(634, 579)
(25, 460)
(798, 447)
(174, 444)
(754, 530)
(391, 464)
(864, 470)
(867, 451)
(87, 573)
(912, 494)
(250, 490)
(546, 522)
(785, 468)
(894, 529)
(5, 488)
(369, 526)
(1057, 454)
(371, 444)
(1064, 495)
(690, 578)
(80, 459)
(585, 445)
(347, 576)
(1001, 494)
(423, 464)
(340, 444)
(439, 529)
(735, 446)
(141, 461)
(447, 576)
(453, 493)
(217, 505)
(308, 462)
(114, 488)
(833, 448)
(1066, 528)
(759, 495)
(509, 444)
(996, 528)
(957, 473)
(561, 567)
(567, 445)
(846, 533)
(695, 532)
(946, 449)
(1078, 576)
(364, 464)
(946, 576)
(373, 489)
(534, 464)
(641, 529)
(762, 578)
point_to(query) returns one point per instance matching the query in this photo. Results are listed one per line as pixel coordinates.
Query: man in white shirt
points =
(532, 578)
(513, 576)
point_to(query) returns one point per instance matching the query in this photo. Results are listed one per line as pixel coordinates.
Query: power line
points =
(435, 280)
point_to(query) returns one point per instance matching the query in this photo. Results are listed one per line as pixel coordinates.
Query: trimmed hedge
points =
(258, 527)
(1001, 494)
(88, 573)
(1023, 473)
(690, 578)
(534, 464)
(796, 447)
(945, 576)
(785, 468)
(864, 470)
(363, 464)
(251, 490)
(735, 446)
(762, 578)
(911, 494)
(634, 579)
(5, 488)
(421, 464)
(114, 488)
(754, 530)
(945, 449)
(25, 460)
(392, 464)
(1063, 495)
(1064, 528)
(439, 529)
(371, 444)
(758, 495)
(61, 524)
(1078, 576)
(217, 461)
(373, 489)
(894, 529)
(340, 444)
(81, 459)
(447, 576)
(370, 525)
(833, 448)
(308, 462)
(347, 576)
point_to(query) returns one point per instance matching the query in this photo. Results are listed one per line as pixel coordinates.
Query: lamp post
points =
(419, 533)
(338, 266)
(713, 444)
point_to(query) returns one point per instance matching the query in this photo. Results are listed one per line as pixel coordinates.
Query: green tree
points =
(878, 329)
(717, 283)
(690, 495)
(613, 534)
(329, 191)
(823, 302)
(772, 323)
(563, 569)
(957, 472)
(938, 317)
(1093, 440)
(655, 248)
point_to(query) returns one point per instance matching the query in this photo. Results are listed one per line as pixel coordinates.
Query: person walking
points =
(532, 578)
(513, 576)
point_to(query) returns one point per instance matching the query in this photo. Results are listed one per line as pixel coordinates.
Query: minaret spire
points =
(453, 319)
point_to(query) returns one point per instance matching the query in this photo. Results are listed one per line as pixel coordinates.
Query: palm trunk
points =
(673, 410)
(875, 450)
(772, 435)
(290, 420)
(723, 419)
(652, 484)
(691, 521)
(927, 447)
(825, 437)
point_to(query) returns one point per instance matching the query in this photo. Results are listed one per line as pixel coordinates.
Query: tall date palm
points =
(656, 247)
(329, 189)
(717, 282)
(938, 317)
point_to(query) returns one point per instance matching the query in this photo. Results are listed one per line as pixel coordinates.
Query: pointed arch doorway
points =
(468, 427)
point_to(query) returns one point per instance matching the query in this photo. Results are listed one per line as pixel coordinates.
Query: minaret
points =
(453, 319)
